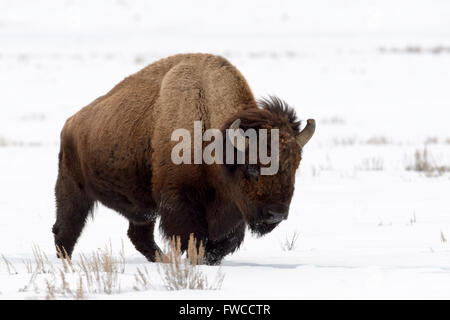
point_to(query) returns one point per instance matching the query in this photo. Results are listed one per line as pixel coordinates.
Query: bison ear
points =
(306, 134)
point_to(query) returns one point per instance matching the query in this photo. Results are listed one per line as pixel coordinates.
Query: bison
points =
(117, 151)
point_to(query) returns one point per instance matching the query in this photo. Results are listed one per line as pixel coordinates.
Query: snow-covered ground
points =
(374, 74)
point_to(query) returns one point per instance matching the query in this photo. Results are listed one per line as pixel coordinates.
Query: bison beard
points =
(116, 151)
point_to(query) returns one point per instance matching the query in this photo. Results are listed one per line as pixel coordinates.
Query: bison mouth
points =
(261, 226)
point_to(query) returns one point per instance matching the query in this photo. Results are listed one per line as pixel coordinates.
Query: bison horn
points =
(235, 126)
(306, 134)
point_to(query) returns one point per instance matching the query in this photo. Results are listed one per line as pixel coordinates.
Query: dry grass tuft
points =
(43, 265)
(9, 266)
(334, 120)
(423, 162)
(65, 259)
(344, 141)
(443, 238)
(142, 279)
(180, 273)
(371, 164)
(413, 219)
(290, 242)
(18, 143)
(31, 283)
(431, 140)
(384, 224)
(377, 140)
(28, 265)
(96, 273)
(100, 271)
(195, 254)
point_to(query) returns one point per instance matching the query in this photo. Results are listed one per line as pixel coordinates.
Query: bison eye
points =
(252, 171)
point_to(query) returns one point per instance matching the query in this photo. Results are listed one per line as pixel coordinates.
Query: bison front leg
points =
(215, 251)
(143, 240)
(180, 219)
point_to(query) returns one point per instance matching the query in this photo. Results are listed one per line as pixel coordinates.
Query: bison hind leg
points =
(143, 240)
(72, 209)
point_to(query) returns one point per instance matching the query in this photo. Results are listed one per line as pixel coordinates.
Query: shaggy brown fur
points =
(117, 151)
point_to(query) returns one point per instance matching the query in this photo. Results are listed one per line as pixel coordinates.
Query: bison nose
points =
(276, 214)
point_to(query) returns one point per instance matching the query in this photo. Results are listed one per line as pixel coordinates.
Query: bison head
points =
(264, 199)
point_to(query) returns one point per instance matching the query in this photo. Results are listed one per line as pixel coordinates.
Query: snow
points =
(368, 228)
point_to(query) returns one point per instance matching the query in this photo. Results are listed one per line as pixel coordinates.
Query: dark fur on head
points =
(279, 107)
(272, 113)
(256, 194)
